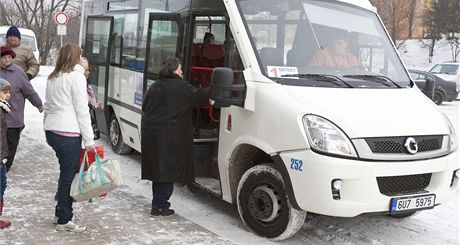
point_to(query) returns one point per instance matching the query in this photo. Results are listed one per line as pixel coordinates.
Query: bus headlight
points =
(453, 142)
(326, 137)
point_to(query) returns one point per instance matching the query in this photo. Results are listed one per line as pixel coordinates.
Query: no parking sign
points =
(61, 20)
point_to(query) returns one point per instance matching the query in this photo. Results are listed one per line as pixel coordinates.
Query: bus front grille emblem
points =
(411, 145)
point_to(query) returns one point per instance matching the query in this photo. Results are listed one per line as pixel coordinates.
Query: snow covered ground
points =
(416, 57)
(437, 226)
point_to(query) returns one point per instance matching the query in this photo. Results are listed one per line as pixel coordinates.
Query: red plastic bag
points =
(92, 158)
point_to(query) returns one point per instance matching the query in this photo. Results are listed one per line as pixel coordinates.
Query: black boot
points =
(161, 212)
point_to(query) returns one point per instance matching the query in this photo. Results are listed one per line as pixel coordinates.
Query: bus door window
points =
(163, 43)
(208, 50)
(125, 39)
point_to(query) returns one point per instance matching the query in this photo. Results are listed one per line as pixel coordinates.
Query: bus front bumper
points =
(361, 193)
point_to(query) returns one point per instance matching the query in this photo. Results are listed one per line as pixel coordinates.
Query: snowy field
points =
(437, 226)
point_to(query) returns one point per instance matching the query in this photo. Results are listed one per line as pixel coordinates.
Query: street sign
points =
(61, 18)
(61, 30)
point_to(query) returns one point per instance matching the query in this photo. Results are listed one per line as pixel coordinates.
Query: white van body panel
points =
(353, 110)
(124, 91)
(361, 3)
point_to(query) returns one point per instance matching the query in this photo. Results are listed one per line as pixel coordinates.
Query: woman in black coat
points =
(167, 133)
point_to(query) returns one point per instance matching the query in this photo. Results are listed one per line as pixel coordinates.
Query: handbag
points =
(91, 158)
(101, 177)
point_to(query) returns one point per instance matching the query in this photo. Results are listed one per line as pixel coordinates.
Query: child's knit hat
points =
(3, 84)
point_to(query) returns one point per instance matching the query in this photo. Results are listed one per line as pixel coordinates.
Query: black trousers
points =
(161, 194)
(12, 137)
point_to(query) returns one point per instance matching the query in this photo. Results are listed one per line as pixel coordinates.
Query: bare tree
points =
(442, 19)
(394, 16)
(38, 15)
(411, 17)
(454, 43)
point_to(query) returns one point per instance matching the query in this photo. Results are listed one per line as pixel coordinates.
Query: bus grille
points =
(395, 185)
(396, 144)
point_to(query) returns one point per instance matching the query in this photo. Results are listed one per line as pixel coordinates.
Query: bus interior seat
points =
(271, 56)
(194, 75)
(212, 55)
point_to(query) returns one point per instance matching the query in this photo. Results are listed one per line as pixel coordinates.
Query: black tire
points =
(403, 215)
(264, 206)
(116, 138)
(438, 97)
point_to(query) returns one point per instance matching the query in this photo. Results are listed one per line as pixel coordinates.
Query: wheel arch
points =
(442, 90)
(246, 156)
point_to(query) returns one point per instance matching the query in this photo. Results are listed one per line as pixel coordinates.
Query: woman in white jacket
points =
(66, 123)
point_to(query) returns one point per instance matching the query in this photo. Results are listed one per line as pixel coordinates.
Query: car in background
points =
(27, 38)
(449, 71)
(443, 91)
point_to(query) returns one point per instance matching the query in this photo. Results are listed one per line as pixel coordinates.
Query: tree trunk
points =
(411, 17)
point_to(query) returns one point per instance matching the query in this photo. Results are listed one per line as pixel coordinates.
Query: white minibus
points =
(313, 108)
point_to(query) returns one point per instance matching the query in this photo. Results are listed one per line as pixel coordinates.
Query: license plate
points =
(412, 203)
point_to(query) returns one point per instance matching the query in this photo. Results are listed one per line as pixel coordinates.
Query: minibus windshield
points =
(297, 40)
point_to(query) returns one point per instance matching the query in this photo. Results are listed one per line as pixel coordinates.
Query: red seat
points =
(195, 61)
(212, 55)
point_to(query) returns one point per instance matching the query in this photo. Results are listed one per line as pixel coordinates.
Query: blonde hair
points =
(69, 56)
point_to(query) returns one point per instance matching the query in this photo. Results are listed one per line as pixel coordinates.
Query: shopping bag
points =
(101, 177)
(91, 158)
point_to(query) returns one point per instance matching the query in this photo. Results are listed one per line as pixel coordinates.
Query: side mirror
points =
(428, 90)
(224, 92)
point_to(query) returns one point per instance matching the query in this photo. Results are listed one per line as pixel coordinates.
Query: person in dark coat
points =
(167, 133)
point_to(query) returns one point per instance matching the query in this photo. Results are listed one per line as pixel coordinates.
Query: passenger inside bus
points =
(205, 57)
(212, 54)
(209, 38)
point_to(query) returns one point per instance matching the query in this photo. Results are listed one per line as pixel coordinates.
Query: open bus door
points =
(165, 35)
(97, 51)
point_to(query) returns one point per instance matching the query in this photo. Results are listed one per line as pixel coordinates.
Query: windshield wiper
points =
(375, 78)
(320, 77)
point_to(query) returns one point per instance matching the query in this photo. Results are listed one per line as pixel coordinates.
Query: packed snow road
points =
(437, 226)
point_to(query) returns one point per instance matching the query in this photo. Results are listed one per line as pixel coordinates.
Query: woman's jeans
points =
(2, 181)
(68, 153)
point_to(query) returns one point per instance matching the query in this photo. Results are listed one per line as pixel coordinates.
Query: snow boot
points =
(161, 212)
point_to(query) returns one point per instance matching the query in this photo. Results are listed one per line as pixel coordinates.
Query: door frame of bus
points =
(173, 17)
(102, 114)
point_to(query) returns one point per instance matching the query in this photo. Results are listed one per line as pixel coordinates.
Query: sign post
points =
(61, 20)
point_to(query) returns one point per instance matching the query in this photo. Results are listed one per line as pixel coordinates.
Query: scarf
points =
(5, 106)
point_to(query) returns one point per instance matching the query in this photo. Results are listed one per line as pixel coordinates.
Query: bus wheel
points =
(116, 138)
(264, 206)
